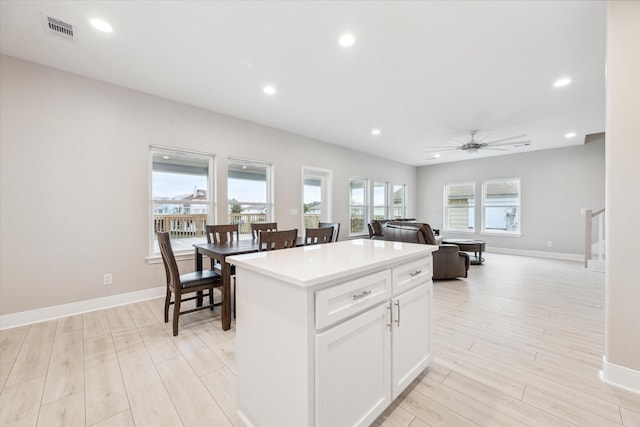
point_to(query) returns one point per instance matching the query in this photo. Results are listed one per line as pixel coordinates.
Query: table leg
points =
(226, 295)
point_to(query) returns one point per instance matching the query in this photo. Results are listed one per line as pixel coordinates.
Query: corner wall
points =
(622, 340)
(74, 180)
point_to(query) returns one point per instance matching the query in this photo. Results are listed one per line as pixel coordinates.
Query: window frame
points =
(446, 213)
(518, 216)
(210, 202)
(403, 206)
(365, 206)
(386, 205)
(269, 203)
(326, 190)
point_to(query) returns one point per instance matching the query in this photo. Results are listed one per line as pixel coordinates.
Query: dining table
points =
(220, 252)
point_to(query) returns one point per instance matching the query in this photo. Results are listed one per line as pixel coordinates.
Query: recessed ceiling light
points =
(569, 134)
(435, 156)
(269, 90)
(375, 132)
(166, 157)
(101, 25)
(347, 40)
(562, 82)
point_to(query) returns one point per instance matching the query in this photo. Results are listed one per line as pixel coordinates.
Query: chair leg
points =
(176, 313)
(167, 301)
(211, 298)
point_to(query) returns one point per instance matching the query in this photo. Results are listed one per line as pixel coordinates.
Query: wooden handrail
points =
(588, 231)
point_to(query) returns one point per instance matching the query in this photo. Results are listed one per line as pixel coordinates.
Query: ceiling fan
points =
(473, 146)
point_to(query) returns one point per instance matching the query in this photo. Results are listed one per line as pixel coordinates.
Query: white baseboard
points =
(620, 376)
(539, 254)
(57, 311)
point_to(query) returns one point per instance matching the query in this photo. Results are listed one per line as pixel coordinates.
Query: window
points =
(501, 206)
(181, 197)
(358, 215)
(398, 201)
(380, 200)
(459, 206)
(316, 196)
(249, 193)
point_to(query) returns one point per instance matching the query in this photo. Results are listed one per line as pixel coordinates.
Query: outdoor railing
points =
(192, 225)
(180, 225)
(244, 220)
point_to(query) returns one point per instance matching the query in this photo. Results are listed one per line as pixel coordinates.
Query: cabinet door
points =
(411, 336)
(353, 370)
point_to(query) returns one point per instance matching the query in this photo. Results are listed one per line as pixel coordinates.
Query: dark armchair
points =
(448, 261)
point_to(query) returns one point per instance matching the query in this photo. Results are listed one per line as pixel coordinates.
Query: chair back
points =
(336, 228)
(221, 233)
(314, 236)
(257, 227)
(270, 240)
(169, 261)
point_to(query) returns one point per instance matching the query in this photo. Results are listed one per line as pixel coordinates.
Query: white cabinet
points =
(332, 340)
(411, 337)
(353, 370)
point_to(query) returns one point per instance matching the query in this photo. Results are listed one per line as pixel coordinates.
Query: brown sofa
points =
(376, 226)
(448, 261)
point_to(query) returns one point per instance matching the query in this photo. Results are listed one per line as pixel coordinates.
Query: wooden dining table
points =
(220, 252)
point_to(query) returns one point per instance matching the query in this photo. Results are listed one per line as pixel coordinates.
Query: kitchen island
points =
(328, 335)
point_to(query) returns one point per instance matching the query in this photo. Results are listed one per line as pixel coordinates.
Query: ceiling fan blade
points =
(445, 147)
(440, 151)
(493, 149)
(505, 139)
(509, 143)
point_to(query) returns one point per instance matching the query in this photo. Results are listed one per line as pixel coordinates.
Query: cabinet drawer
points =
(411, 274)
(346, 299)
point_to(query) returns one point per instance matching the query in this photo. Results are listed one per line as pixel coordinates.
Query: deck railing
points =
(244, 220)
(192, 225)
(180, 225)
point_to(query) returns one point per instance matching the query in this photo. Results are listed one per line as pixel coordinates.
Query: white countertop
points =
(307, 266)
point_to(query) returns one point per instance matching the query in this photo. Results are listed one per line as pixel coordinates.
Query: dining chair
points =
(336, 228)
(270, 240)
(315, 236)
(178, 284)
(257, 227)
(222, 233)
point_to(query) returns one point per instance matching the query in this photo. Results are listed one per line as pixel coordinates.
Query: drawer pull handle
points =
(415, 273)
(397, 320)
(362, 295)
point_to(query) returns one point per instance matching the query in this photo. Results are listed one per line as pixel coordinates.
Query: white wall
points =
(75, 180)
(623, 198)
(555, 186)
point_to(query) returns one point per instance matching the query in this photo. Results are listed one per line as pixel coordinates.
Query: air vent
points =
(58, 27)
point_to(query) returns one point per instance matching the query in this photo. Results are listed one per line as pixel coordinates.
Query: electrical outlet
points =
(549, 244)
(293, 211)
(108, 279)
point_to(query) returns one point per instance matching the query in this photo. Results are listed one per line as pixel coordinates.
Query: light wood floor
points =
(518, 343)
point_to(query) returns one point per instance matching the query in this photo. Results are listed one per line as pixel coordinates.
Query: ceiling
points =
(424, 73)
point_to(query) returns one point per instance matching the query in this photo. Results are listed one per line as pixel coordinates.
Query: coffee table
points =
(465, 245)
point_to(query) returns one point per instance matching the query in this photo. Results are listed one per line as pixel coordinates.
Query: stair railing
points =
(589, 216)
